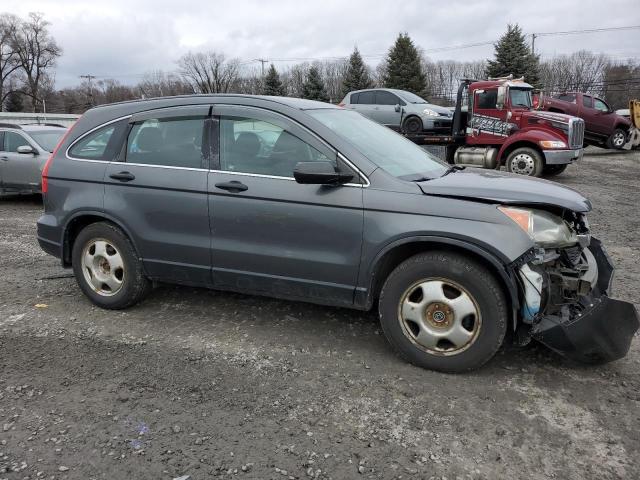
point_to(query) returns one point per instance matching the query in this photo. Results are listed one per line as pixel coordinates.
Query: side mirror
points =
(26, 149)
(319, 173)
(397, 108)
(501, 98)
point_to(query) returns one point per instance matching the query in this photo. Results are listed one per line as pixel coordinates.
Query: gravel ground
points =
(209, 384)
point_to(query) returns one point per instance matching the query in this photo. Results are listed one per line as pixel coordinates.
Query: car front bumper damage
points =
(579, 319)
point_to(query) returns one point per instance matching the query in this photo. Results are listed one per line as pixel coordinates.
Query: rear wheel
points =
(107, 268)
(552, 170)
(443, 311)
(617, 139)
(525, 161)
(412, 125)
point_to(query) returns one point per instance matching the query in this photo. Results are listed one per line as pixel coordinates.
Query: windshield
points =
(47, 139)
(412, 98)
(520, 97)
(384, 147)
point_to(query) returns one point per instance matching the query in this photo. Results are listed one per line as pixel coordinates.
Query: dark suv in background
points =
(308, 201)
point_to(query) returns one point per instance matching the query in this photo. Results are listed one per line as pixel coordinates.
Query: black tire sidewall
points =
(134, 280)
(478, 282)
(537, 158)
(610, 144)
(412, 121)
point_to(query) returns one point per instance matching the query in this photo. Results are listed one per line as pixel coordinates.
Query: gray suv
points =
(307, 201)
(400, 110)
(24, 149)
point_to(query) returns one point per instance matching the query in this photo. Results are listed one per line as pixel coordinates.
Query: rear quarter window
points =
(102, 144)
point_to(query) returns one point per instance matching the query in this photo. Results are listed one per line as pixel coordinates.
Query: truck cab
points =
(502, 127)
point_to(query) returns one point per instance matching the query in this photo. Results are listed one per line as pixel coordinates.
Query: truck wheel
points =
(412, 125)
(551, 170)
(525, 161)
(617, 139)
(443, 311)
(107, 268)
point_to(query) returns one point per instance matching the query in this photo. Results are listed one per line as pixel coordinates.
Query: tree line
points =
(28, 55)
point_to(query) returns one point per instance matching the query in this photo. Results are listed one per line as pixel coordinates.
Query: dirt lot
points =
(208, 384)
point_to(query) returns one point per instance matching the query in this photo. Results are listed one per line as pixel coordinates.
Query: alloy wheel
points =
(103, 267)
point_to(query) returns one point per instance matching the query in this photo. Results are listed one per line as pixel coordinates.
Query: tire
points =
(617, 139)
(412, 125)
(552, 170)
(111, 274)
(525, 161)
(448, 287)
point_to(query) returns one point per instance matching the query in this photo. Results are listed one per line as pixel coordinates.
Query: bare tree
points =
(8, 57)
(37, 52)
(581, 71)
(161, 84)
(209, 72)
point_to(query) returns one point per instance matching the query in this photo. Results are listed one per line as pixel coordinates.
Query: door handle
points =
(232, 186)
(5, 158)
(123, 176)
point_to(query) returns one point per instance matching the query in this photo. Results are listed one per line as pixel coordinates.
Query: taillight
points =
(45, 170)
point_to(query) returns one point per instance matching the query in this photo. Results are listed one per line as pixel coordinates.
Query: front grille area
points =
(576, 133)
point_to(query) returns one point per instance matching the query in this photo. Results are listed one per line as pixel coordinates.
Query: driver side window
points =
(249, 145)
(600, 105)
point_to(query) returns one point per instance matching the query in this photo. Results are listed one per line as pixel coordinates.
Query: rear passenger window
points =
(102, 144)
(366, 98)
(175, 142)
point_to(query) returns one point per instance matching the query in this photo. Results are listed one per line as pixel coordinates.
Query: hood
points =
(550, 116)
(505, 188)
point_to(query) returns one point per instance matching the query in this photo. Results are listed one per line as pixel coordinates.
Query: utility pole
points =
(89, 77)
(533, 43)
(262, 61)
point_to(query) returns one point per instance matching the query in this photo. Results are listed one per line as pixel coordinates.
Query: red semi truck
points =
(495, 124)
(603, 127)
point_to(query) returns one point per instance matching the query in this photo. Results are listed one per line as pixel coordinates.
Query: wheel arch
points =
(80, 220)
(506, 150)
(397, 252)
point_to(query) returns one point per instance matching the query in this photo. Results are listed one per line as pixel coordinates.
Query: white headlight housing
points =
(430, 113)
(552, 144)
(544, 228)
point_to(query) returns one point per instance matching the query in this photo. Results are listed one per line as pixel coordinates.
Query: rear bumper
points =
(562, 157)
(597, 328)
(48, 235)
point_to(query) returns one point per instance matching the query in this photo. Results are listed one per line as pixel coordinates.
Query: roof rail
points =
(10, 125)
(46, 124)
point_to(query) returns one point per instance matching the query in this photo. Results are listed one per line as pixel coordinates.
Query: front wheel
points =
(443, 311)
(412, 125)
(525, 161)
(617, 139)
(107, 268)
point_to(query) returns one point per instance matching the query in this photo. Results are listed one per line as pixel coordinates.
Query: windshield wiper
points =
(453, 168)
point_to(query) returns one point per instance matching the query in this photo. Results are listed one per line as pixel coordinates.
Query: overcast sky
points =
(124, 39)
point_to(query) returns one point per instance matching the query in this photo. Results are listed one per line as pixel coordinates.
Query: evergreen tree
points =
(272, 83)
(403, 67)
(513, 56)
(313, 87)
(357, 75)
(14, 103)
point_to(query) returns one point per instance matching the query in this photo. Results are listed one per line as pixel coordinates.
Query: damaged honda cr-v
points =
(306, 201)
